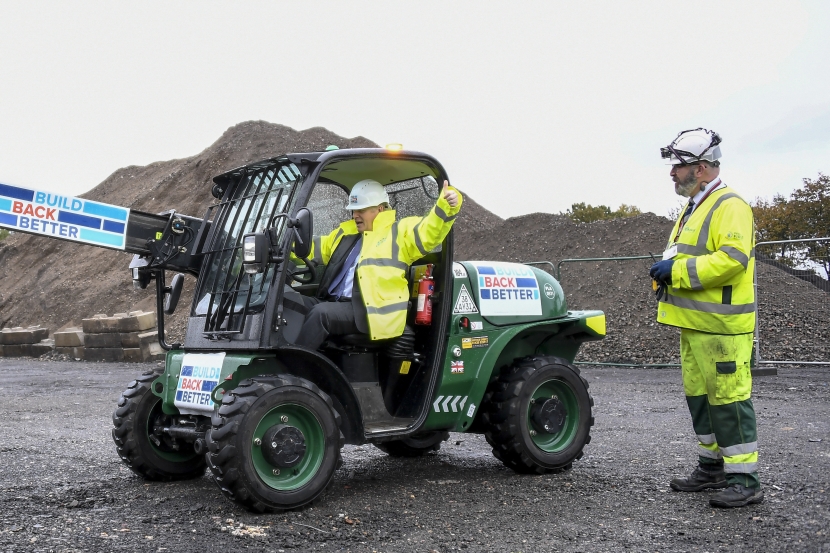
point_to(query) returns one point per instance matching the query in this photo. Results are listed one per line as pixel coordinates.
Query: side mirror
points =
(303, 232)
(172, 293)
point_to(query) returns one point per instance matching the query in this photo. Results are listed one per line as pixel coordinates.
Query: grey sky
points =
(530, 106)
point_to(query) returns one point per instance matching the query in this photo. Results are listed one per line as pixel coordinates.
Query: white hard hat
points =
(692, 146)
(367, 193)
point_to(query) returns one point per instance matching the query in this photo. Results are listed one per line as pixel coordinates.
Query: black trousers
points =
(326, 318)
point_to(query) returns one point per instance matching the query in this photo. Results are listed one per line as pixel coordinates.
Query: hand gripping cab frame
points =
(269, 418)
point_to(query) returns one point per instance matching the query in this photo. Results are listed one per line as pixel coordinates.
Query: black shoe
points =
(737, 495)
(701, 479)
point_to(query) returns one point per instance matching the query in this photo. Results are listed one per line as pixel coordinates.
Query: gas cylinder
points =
(423, 315)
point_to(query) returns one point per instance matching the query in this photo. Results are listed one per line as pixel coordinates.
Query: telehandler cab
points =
(268, 418)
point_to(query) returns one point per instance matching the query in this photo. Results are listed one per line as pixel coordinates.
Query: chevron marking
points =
(446, 404)
(436, 405)
(455, 404)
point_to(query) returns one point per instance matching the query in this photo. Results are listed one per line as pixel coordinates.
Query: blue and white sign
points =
(507, 289)
(199, 376)
(75, 219)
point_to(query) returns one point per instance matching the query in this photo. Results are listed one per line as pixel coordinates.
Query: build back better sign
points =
(74, 219)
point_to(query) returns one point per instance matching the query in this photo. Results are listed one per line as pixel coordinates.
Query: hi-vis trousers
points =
(718, 384)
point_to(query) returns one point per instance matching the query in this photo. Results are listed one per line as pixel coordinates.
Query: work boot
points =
(737, 495)
(701, 479)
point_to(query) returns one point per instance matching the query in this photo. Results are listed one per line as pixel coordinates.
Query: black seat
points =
(359, 341)
(399, 347)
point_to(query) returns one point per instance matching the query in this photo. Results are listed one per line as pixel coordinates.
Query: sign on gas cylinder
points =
(75, 219)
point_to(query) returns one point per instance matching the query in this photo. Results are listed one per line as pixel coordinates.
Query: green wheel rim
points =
(164, 452)
(304, 420)
(553, 443)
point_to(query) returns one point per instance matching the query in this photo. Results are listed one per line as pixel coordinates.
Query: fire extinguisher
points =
(423, 315)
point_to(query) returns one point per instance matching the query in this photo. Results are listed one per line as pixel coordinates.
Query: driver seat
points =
(400, 347)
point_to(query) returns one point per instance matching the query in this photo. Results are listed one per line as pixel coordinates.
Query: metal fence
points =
(792, 291)
(793, 294)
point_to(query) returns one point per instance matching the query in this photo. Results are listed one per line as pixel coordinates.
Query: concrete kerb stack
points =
(70, 342)
(123, 337)
(25, 342)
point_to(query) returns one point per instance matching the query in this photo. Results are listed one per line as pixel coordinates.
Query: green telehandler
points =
(268, 418)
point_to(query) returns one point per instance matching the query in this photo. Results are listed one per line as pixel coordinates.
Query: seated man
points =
(364, 287)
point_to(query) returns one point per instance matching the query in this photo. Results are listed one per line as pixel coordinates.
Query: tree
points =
(586, 213)
(774, 220)
(805, 215)
(811, 207)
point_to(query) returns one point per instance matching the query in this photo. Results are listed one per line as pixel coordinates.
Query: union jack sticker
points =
(457, 367)
(353, 199)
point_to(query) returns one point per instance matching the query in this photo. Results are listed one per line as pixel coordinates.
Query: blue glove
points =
(661, 271)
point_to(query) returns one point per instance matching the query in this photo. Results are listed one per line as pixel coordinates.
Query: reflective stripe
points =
(383, 263)
(743, 468)
(736, 254)
(691, 250)
(387, 309)
(694, 280)
(336, 236)
(417, 235)
(752, 253)
(740, 449)
(707, 307)
(703, 237)
(707, 439)
(708, 453)
(443, 215)
(318, 251)
(395, 242)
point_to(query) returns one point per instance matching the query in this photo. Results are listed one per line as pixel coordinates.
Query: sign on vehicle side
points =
(75, 219)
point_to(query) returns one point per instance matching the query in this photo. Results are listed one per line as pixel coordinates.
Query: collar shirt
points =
(705, 191)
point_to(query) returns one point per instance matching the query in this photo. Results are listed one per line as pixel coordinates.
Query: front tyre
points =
(148, 452)
(538, 415)
(274, 443)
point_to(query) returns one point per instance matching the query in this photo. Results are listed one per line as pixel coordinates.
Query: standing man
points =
(364, 286)
(706, 283)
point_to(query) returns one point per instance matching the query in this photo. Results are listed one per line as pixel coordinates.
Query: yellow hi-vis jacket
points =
(386, 253)
(712, 278)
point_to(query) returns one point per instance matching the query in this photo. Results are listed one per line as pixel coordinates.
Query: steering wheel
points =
(299, 276)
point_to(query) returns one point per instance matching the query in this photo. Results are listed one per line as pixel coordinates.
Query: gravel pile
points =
(56, 284)
(794, 315)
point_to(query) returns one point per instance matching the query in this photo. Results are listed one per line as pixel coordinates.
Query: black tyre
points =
(416, 445)
(147, 453)
(274, 443)
(537, 415)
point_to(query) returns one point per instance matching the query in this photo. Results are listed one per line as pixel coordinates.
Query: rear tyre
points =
(537, 415)
(416, 445)
(149, 453)
(274, 443)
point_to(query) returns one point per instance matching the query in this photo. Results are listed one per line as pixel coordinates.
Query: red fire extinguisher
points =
(423, 315)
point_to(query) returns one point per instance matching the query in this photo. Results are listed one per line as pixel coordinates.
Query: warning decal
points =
(199, 376)
(508, 289)
(465, 303)
(475, 342)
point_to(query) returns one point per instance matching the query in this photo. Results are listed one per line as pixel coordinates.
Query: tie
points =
(340, 279)
(686, 215)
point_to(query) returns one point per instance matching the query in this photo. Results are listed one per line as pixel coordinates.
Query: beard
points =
(684, 187)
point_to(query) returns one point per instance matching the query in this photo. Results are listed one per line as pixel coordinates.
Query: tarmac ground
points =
(64, 489)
